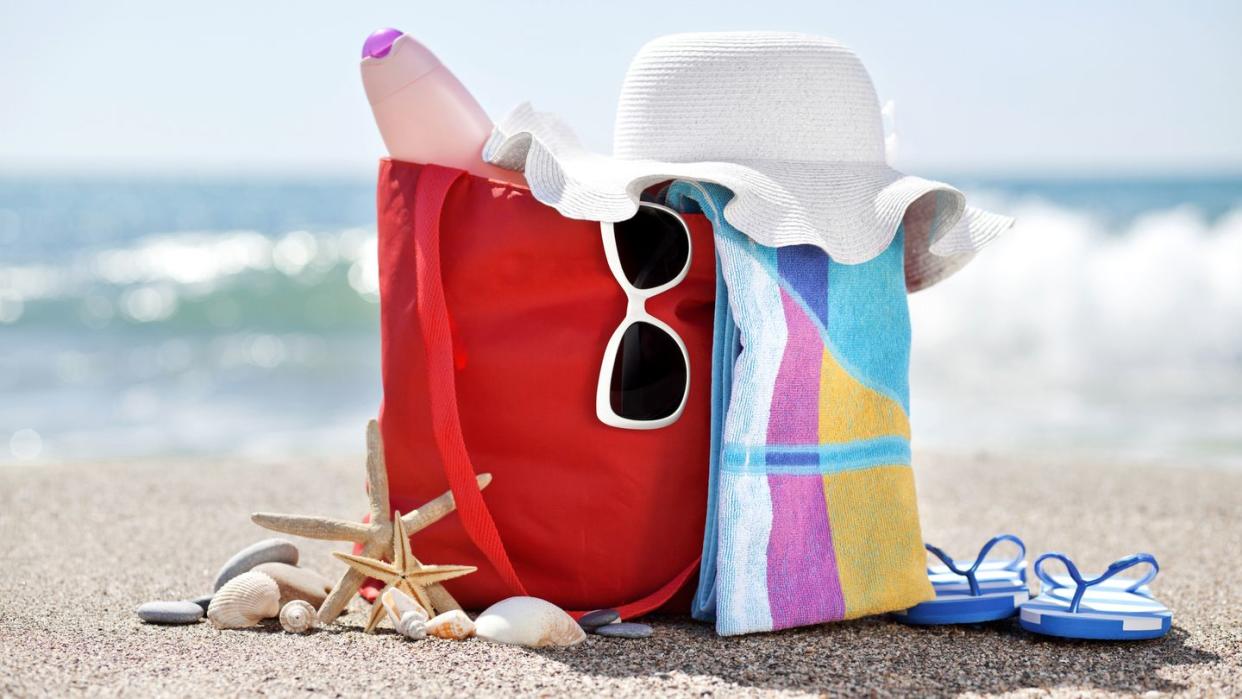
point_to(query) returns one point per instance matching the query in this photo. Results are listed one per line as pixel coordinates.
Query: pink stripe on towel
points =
(803, 585)
(794, 415)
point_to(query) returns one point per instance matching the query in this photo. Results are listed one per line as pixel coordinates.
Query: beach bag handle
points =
(431, 192)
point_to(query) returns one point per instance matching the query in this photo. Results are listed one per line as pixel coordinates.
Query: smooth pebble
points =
(599, 617)
(625, 629)
(181, 612)
(266, 551)
(203, 601)
(297, 583)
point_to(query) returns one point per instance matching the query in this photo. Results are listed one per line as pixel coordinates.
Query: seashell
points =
(413, 626)
(298, 616)
(244, 601)
(453, 625)
(405, 613)
(397, 603)
(528, 621)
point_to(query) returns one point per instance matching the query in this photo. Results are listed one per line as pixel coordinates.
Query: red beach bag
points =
(495, 311)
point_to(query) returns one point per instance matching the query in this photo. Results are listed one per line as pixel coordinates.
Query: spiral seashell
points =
(244, 601)
(298, 616)
(397, 603)
(413, 626)
(453, 625)
(528, 621)
(405, 613)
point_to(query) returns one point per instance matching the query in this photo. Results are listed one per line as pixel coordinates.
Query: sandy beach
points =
(86, 543)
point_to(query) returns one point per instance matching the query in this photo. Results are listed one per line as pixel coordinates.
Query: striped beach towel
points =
(812, 515)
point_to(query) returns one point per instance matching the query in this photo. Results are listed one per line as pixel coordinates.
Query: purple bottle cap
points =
(380, 42)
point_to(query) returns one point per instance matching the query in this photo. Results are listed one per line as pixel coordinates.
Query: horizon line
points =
(358, 170)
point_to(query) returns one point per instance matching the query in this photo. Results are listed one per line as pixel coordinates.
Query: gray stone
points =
(599, 617)
(266, 551)
(623, 630)
(170, 612)
(203, 601)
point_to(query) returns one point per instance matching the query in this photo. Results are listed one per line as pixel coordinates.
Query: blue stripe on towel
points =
(815, 459)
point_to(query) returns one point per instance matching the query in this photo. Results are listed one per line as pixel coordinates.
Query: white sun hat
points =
(788, 122)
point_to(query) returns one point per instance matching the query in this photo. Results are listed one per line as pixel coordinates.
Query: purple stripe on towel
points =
(794, 415)
(803, 585)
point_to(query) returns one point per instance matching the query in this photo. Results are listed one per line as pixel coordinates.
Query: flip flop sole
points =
(965, 608)
(1093, 626)
(1103, 614)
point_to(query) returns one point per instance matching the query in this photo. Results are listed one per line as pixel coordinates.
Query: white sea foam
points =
(193, 259)
(1061, 292)
(1127, 340)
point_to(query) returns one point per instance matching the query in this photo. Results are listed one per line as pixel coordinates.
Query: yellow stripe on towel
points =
(850, 411)
(875, 531)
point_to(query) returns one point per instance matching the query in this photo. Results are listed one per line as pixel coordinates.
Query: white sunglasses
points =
(644, 380)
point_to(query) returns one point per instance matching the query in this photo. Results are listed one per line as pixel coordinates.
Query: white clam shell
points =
(244, 601)
(453, 625)
(298, 616)
(528, 621)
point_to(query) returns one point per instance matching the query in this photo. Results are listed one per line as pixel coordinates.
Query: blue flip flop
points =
(1098, 608)
(972, 592)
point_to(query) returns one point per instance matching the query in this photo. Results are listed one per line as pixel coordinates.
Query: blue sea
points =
(238, 318)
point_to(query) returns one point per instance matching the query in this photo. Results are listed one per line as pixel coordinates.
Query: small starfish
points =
(405, 572)
(376, 535)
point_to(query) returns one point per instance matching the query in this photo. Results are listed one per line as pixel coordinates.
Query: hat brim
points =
(852, 211)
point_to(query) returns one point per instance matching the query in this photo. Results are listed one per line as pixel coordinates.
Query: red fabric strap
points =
(431, 191)
(433, 187)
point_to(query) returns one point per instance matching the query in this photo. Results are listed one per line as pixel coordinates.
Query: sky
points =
(989, 87)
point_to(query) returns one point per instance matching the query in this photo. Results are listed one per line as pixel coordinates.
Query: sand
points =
(84, 544)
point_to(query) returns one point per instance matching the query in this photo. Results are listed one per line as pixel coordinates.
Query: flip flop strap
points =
(1081, 584)
(970, 573)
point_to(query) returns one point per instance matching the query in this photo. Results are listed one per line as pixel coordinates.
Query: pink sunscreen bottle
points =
(424, 113)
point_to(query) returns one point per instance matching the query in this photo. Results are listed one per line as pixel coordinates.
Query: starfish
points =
(405, 572)
(375, 536)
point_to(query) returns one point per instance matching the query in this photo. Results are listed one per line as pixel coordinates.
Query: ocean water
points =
(239, 318)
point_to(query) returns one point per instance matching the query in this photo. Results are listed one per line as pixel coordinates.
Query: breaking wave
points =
(1068, 333)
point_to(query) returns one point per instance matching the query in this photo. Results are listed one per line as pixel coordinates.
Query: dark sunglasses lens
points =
(649, 375)
(653, 247)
